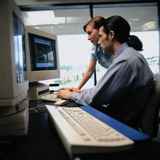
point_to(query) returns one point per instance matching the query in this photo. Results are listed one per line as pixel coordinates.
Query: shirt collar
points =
(119, 50)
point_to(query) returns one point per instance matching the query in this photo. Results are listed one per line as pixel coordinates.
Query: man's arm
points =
(113, 85)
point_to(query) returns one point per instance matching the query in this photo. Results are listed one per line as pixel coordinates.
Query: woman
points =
(92, 29)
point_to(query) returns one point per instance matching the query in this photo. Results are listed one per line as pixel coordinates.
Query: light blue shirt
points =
(125, 86)
(97, 54)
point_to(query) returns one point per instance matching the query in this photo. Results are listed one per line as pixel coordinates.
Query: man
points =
(123, 90)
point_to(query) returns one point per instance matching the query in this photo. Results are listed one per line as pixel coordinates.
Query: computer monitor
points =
(13, 81)
(42, 60)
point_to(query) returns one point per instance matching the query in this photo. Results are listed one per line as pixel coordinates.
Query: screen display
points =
(42, 53)
(19, 48)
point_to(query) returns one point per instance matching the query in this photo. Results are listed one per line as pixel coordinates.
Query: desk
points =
(43, 143)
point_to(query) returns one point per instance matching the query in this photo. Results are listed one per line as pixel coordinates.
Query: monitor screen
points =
(42, 53)
(19, 48)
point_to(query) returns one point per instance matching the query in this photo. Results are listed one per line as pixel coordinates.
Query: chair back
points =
(150, 117)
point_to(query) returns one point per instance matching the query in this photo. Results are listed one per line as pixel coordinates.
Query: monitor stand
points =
(14, 119)
(37, 90)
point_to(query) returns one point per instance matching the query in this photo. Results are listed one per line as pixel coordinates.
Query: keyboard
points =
(57, 101)
(50, 97)
(82, 133)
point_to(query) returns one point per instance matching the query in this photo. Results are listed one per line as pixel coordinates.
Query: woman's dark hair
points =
(96, 22)
(121, 30)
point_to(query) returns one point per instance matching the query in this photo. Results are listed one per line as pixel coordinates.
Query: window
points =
(74, 48)
(143, 19)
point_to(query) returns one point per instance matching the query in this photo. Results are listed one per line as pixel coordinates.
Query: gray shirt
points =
(97, 54)
(124, 88)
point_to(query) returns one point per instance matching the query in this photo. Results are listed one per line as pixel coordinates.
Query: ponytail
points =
(134, 41)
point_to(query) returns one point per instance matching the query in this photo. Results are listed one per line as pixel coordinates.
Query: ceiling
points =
(37, 2)
(70, 21)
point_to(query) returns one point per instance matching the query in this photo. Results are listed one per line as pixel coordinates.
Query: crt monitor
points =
(14, 115)
(13, 82)
(42, 60)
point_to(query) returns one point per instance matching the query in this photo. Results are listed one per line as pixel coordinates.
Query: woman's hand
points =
(64, 94)
(75, 90)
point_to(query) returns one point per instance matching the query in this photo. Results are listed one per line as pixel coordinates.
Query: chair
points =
(150, 117)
